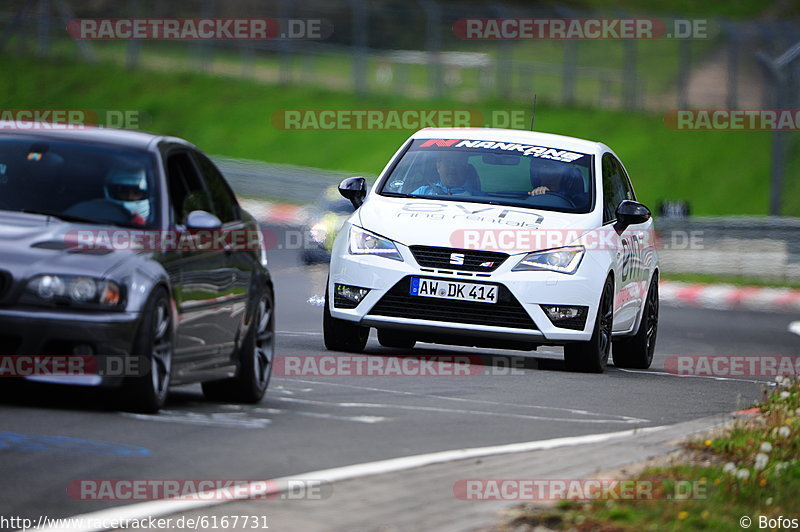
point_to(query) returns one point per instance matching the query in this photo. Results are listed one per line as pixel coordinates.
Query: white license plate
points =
(438, 288)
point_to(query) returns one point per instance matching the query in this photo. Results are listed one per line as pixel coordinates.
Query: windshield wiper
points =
(398, 195)
(508, 194)
(69, 217)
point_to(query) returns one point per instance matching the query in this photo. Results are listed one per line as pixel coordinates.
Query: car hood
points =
(32, 243)
(445, 223)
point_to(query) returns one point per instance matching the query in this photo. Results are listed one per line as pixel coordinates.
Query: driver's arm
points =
(538, 191)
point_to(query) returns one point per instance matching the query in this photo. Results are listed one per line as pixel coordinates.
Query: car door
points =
(238, 257)
(628, 252)
(203, 274)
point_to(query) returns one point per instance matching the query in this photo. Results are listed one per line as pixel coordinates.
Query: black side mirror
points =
(631, 213)
(354, 189)
(202, 221)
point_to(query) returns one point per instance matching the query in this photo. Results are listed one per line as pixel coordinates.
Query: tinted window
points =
(185, 187)
(225, 206)
(616, 187)
(626, 182)
(100, 184)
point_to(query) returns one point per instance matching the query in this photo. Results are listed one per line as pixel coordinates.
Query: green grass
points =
(718, 172)
(714, 469)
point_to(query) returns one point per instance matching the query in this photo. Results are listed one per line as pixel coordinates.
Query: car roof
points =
(512, 135)
(90, 134)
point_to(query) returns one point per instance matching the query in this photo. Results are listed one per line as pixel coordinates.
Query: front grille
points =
(507, 312)
(473, 260)
(339, 301)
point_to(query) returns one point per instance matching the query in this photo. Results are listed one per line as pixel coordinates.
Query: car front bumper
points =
(531, 289)
(29, 332)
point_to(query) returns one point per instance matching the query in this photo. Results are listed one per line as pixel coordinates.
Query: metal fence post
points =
(505, 67)
(204, 47)
(629, 74)
(16, 24)
(44, 27)
(134, 45)
(775, 74)
(284, 46)
(359, 46)
(433, 45)
(66, 14)
(732, 32)
(684, 71)
(570, 67)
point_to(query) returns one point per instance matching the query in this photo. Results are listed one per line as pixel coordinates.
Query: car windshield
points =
(502, 173)
(78, 181)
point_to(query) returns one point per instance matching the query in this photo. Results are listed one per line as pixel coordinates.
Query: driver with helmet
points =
(128, 188)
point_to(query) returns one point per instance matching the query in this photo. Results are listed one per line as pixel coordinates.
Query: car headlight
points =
(365, 243)
(78, 290)
(563, 260)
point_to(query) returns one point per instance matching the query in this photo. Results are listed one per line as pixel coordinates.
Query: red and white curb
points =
(269, 212)
(722, 296)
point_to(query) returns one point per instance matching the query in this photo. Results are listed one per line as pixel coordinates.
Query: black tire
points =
(342, 335)
(592, 356)
(147, 393)
(637, 351)
(255, 359)
(396, 339)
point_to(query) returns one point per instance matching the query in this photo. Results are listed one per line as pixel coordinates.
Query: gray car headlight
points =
(363, 242)
(73, 289)
(562, 260)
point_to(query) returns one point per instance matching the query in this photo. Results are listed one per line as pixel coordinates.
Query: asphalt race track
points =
(51, 436)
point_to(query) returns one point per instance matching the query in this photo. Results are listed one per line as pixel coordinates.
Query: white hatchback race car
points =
(497, 238)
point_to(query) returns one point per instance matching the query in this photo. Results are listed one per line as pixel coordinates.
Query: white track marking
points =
(667, 374)
(166, 507)
(357, 419)
(224, 420)
(615, 419)
(794, 327)
(240, 420)
(460, 399)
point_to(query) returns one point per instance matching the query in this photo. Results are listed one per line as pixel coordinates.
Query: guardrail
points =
(294, 184)
(757, 247)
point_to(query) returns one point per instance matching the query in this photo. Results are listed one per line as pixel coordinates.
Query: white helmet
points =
(128, 187)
